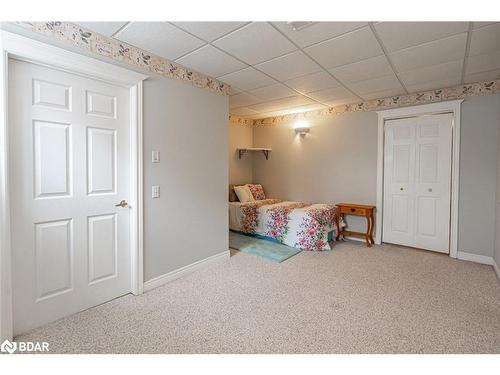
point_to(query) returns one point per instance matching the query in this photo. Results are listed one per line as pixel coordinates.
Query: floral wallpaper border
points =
(235, 120)
(116, 50)
(432, 96)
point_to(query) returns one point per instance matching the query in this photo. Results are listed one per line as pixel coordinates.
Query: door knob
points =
(123, 203)
(429, 190)
(401, 189)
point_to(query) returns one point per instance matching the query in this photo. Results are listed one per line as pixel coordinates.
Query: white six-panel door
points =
(69, 165)
(417, 182)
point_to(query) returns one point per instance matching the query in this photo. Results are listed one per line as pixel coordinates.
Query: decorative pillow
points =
(244, 194)
(257, 191)
(232, 194)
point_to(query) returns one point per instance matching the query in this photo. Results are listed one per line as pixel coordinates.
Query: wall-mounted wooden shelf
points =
(265, 151)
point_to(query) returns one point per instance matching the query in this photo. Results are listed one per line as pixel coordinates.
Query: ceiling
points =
(275, 70)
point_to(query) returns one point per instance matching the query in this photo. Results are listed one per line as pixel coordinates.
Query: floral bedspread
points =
(297, 224)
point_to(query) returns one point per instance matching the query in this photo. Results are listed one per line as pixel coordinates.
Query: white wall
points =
(189, 222)
(240, 170)
(337, 162)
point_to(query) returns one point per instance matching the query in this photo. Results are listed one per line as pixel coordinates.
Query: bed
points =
(297, 224)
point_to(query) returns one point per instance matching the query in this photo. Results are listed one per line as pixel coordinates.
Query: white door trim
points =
(20, 47)
(441, 107)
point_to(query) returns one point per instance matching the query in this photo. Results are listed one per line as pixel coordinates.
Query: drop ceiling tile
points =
(247, 79)
(243, 111)
(378, 84)
(289, 66)
(255, 43)
(442, 72)
(336, 93)
(275, 113)
(299, 109)
(209, 31)
(317, 31)
(313, 82)
(383, 94)
(272, 92)
(373, 67)
(160, 38)
(399, 35)
(280, 104)
(433, 85)
(482, 76)
(343, 101)
(243, 99)
(211, 61)
(485, 40)
(346, 49)
(104, 28)
(477, 25)
(483, 63)
(431, 53)
(308, 107)
(233, 90)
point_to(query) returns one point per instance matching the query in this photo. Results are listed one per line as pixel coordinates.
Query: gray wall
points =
(497, 226)
(240, 170)
(337, 162)
(478, 154)
(189, 221)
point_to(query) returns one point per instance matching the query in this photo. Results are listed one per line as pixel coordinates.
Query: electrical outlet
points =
(155, 156)
(155, 191)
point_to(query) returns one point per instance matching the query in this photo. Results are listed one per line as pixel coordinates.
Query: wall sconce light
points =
(302, 128)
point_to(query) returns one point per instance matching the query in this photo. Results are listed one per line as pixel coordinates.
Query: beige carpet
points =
(351, 300)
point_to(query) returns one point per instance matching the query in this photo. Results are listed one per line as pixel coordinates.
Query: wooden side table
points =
(356, 210)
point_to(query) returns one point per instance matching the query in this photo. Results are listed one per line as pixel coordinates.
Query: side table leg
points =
(337, 221)
(370, 230)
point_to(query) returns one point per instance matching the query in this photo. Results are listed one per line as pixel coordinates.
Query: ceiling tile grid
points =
(400, 35)
(290, 66)
(346, 49)
(211, 61)
(209, 31)
(274, 67)
(104, 28)
(160, 38)
(255, 43)
(312, 82)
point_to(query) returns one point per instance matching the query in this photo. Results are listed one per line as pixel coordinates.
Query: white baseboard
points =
(496, 268)
(357, 239)
(476, 258)
(183, 271)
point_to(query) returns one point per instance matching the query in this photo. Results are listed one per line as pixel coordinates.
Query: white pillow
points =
(244, 194)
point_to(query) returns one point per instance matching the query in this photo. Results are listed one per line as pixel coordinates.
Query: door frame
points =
(26, 49)
(452, 107)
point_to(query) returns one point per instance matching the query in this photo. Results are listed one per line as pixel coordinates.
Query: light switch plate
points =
(155, 156)
(155, 191)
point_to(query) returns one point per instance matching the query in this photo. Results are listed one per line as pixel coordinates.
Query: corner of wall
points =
(496, 253)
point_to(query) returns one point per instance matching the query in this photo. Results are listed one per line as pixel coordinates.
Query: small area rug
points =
(261, 247)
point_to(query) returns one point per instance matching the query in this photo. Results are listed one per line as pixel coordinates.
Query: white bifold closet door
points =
(69, 165)
(417, 182)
